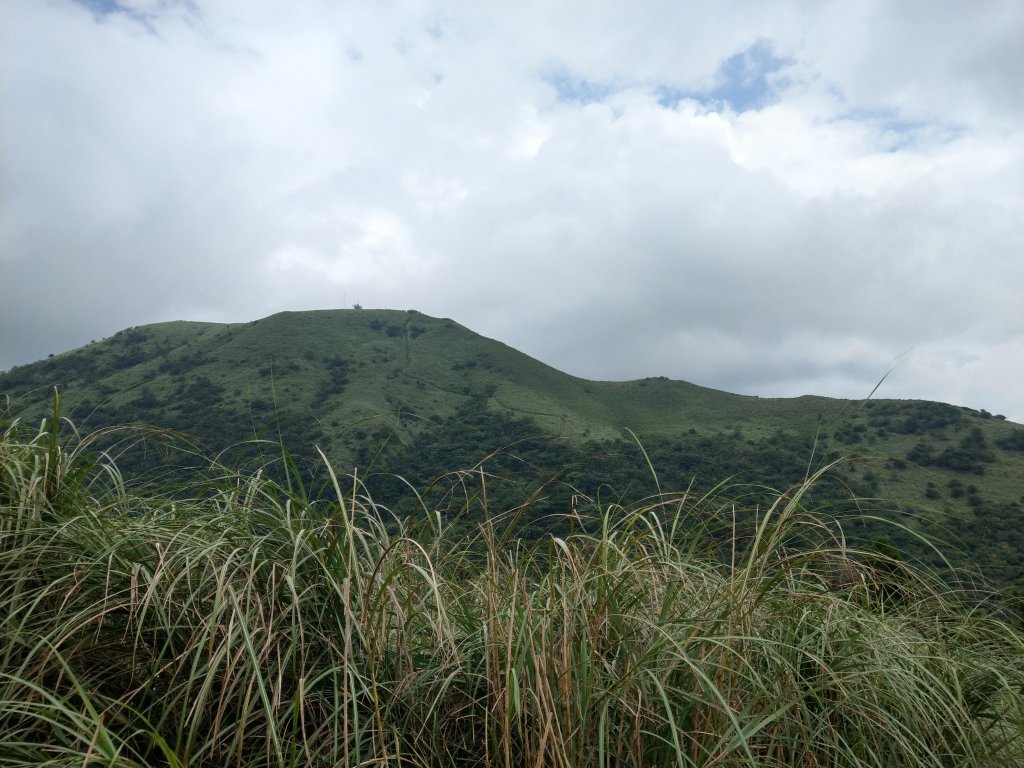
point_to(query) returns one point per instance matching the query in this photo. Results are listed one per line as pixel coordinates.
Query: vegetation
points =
(399, 393)
(223, 618)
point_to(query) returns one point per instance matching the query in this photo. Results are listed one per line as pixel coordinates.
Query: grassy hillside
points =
(399, 392)
(353, 365)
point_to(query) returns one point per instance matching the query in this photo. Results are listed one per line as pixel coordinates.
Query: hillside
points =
(400, 392)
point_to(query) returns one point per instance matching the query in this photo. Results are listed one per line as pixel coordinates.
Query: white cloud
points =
(520, 169)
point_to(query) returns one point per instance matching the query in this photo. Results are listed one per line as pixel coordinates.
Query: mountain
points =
(398, 392)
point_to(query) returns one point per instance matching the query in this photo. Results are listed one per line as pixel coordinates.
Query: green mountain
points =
(395, 392)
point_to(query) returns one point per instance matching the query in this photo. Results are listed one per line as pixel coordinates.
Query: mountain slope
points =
(418, 396)
(347, 366)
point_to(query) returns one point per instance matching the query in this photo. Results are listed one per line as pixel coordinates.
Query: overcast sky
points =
(767, 198)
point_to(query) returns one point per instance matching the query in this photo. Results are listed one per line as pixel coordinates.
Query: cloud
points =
(774, 199)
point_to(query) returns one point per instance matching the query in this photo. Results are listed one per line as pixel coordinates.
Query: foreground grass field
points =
(238, 622)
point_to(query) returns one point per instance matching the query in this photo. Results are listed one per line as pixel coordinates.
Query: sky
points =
(770, 198)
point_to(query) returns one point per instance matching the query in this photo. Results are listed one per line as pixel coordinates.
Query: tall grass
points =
(245, 624)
